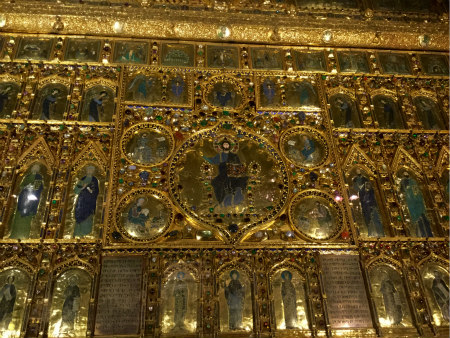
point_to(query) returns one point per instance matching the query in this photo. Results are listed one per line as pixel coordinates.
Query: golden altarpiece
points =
(242, 168)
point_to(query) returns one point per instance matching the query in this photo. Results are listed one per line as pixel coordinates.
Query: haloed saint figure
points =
(180, 295)
(440, 292)
(30, 196)
(71, 306)
(289, 297)
(369, 205)
(230, 183)
(96, 108)
(420, 224)
(49, 105)
(87, 190)
(391, 300)
(7, 301)
(235, 294)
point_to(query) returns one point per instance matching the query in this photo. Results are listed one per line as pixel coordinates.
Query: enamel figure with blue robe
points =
(269, 91)
(346, 112)
(87, 190)
(229, 190)
(420, 224)
(49, 105)
(96, 109)
(235, 294)
(71, 305)
(224, 97)
(177, 89)
(28, 202)
(309, 147)
(369, 205)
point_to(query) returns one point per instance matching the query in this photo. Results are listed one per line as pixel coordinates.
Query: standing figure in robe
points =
(4, 97)
(177, 88)
(71, 305)
(369, 205)
(234, 294)
(391, 300)
(441, 294)
(309, 147)
(346, 111)
(142, 152)
(96, 108)
(416, 206)
(28, 202)
(388, 111)
(230, 183)
(289, 297)
(49, 105)
(269, 91)
(87, 190)
(430, 121)
(180, 294)
(7, 301)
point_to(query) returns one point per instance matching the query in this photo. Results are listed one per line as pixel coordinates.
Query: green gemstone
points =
(120, 180)
(159, 117)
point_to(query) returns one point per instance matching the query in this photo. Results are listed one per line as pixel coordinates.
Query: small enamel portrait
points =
(315, 217)
(387, 112)
(50, 102)
(34, 49)
(434, 64)
(145, 216)
(130, 52)
(344, 111)
(266, 58)
(311, 61)
(144, 89)
(98, 104)
(301, 94)
(353, 62)
(304, 147)
(83, 50)
(222, 57)
(393, 63)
